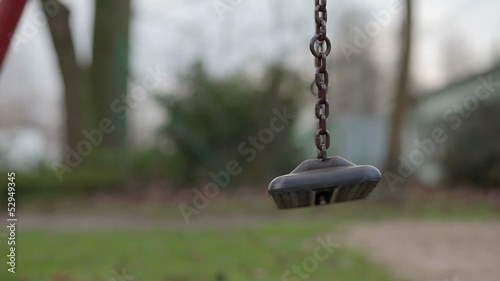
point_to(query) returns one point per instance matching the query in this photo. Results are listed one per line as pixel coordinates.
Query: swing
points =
(325, 180)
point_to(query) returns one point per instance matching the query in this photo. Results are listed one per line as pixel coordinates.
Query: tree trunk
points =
(58, 21)
(402, 93)
(394, 190)
(109, 72)
(110, 65)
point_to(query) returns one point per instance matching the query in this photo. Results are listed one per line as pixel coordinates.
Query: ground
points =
(430, 250)
(243, 237)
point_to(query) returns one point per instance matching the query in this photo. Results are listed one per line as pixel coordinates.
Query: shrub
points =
(473, 153)
(209, 119)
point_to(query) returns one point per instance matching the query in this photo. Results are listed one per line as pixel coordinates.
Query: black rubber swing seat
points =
(329, 181)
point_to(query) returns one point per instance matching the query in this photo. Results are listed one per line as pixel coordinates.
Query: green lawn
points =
(263, 253)
(280, 242)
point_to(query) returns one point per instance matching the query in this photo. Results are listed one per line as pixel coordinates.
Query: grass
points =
(262, 253)
(264, 250)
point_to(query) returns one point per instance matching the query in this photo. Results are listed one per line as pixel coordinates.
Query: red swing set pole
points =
(10, 12)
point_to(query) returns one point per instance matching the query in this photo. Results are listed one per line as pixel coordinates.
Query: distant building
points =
(445, 110)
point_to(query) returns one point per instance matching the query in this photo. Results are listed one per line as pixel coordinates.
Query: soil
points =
(432, 251)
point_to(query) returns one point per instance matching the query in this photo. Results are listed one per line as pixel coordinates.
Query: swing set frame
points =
(10, 13)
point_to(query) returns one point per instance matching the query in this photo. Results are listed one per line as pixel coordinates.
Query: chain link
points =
(321, 47)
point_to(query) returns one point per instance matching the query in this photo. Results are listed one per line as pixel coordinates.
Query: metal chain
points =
(321, 47)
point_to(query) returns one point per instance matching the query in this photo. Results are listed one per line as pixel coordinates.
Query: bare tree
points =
(351, 68)
(90, 101)
(58, 22)
(402, 98)
(109, 70)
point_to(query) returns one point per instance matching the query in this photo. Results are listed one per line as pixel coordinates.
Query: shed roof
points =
(432, 106)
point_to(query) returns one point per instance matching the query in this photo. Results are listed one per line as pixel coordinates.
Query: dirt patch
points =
(432, 251)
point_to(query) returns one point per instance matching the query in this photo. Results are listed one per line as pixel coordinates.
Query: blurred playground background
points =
(143, 135)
